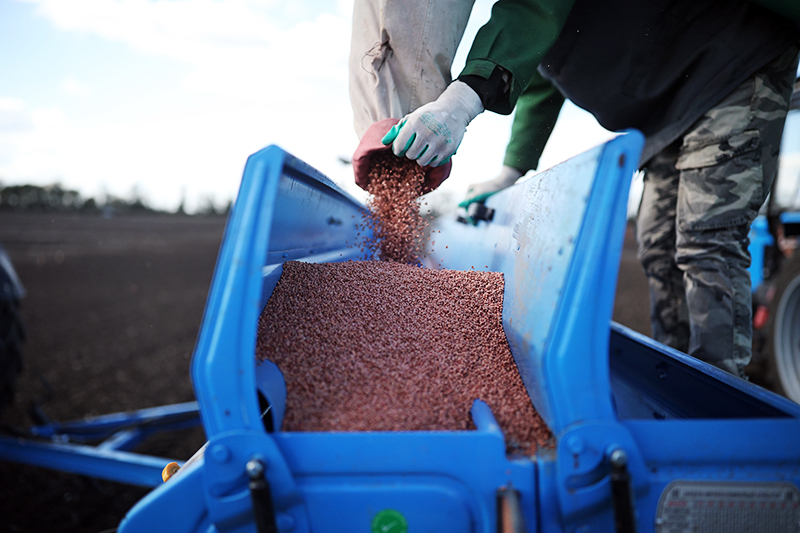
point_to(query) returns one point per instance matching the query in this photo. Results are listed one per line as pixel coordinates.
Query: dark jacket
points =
(653, 65)
(659, 65)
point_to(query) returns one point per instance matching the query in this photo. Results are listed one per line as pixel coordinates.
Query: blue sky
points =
(167, 98)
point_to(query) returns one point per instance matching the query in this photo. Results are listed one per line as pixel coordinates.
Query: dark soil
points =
(113, 310)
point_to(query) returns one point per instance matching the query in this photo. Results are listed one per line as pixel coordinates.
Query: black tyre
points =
(783, 342)
(12, 334)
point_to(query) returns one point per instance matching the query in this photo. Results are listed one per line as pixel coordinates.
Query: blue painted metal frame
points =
(143, 421)
(284, 210)
(442, 480)
(62, 446)
(223, 369)
(652, 381)
(557, 238)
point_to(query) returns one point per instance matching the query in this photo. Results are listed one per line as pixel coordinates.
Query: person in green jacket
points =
(707, 82)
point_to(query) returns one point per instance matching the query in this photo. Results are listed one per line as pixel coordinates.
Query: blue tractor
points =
(775, 268)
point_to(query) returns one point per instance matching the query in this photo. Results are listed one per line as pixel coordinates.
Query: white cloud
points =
(265, 72)
(73, 87)
(11, 104)
(262, 71)
(13, 116)
(35, 151)
(236, 48)
(208, 31)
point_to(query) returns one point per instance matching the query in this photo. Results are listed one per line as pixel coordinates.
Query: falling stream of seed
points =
(395, 186)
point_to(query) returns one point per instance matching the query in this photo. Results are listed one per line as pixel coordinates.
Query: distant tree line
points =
(55, 198)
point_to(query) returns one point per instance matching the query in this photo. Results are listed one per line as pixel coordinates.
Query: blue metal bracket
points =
(584, 467)
(142, 421)
(62, 446)
(226, 489)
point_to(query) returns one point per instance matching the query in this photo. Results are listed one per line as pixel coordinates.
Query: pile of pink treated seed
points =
(395, 186)
(383, 346)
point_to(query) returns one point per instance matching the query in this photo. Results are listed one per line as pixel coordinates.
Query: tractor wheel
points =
(12, 334)
(783, 342)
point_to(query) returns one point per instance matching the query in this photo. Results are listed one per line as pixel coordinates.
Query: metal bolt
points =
(619, 457)
(255, 469)
(575, 444)
(220, 453)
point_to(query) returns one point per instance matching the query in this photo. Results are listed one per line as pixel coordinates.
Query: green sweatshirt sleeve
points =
(537, 111)
(516, 37)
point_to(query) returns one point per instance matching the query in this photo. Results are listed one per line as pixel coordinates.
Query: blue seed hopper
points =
(645, 438)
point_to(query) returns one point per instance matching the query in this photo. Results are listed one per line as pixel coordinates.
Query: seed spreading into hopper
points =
(389, 346)
(382, 346)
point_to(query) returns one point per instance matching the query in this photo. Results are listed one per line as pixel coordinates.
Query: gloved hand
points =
(478, 192)
(431, 134)
(371, 144)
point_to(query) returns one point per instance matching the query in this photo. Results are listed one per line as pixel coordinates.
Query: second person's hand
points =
(478, 192)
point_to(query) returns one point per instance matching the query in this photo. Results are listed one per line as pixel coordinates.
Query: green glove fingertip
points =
(478, 198)
(391, 135)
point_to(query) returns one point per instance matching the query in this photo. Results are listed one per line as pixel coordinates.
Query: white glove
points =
(508, 176)
(432, 133)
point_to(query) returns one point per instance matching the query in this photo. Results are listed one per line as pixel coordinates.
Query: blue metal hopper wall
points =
(309, 471)
(557, 238)
(284, 210)
(337, 482)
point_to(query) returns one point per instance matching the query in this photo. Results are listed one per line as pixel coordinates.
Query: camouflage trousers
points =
(700, 195)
